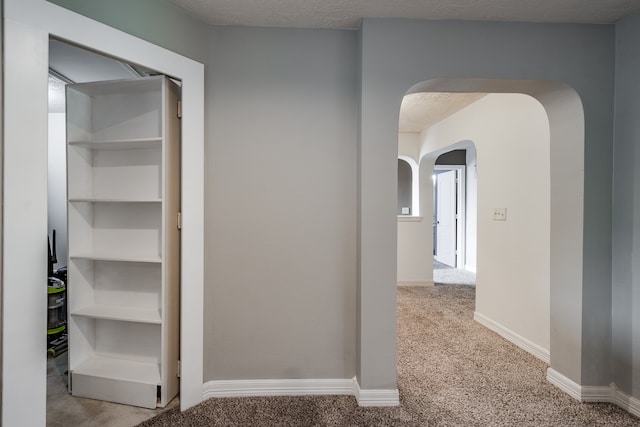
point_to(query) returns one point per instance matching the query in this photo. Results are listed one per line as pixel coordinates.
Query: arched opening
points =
(554, 175)
(405, 187)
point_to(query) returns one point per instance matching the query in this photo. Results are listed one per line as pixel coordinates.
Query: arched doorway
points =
(510, 134)
(563, 109)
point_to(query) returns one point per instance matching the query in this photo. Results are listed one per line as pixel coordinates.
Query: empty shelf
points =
(128, 314)
(96, 257)
(120, 369)
(113, 200)
(120, 144)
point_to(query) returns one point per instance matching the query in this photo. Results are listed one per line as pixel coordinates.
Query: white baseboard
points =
(579, 392)
(625, 401)
(415, 283)
(509, 335)
(471, 268)
(375, 397)
(300, 387)
(610, 394)
(570, 387)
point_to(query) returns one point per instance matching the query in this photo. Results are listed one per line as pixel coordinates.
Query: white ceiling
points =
(420, 111)
(346, 14)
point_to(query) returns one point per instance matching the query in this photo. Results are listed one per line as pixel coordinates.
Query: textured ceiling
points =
(422, 110)
(346, 14)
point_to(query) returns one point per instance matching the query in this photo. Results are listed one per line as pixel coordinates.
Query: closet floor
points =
(65, 410)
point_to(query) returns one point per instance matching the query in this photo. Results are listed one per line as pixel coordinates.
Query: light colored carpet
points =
(445, 275)
(451, 372)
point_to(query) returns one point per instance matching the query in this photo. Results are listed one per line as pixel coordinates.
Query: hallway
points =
(445, 275)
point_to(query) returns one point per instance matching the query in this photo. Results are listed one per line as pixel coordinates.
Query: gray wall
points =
(280, 214)
(1, 186)
(284, 255)
(397, 54)
(280, 244)
(404, 186)
(157, 21)
(626, 210)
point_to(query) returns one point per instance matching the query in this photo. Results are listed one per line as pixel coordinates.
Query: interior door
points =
(446, 218)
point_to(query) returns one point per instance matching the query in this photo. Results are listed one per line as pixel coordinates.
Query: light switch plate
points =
(499, 214)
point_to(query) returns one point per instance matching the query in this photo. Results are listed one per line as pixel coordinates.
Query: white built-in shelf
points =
(120, 369)
(126, 314)
(120, 144)
(113, 200)
(97, 257)
(123, 171)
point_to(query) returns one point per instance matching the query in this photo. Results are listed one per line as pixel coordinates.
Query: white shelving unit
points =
(123, 152)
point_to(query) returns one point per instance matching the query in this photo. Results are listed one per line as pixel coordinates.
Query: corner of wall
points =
(376, 397)
(604, 394)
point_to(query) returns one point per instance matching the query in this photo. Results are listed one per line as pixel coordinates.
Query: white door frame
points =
(28, 24)
(460, 210)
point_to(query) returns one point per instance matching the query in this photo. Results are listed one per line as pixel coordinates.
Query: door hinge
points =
(179, 221)
(178, 370)
(179, 109)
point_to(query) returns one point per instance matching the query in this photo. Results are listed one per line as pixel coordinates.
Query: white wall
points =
(511, 135)
(415, 262)
(415, 253)
(57, 185)
(414, 259)
(471, 226)
(409, 145)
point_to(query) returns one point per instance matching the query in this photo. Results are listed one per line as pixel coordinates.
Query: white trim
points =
(626, 402)
(528, 346)
(375, 397)
(461, 210)
(470, 268)
(579, 392)
(570, 387)
(592, 393)
(295, 387)
(300, 387)
(610, 394)
(25, 179)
